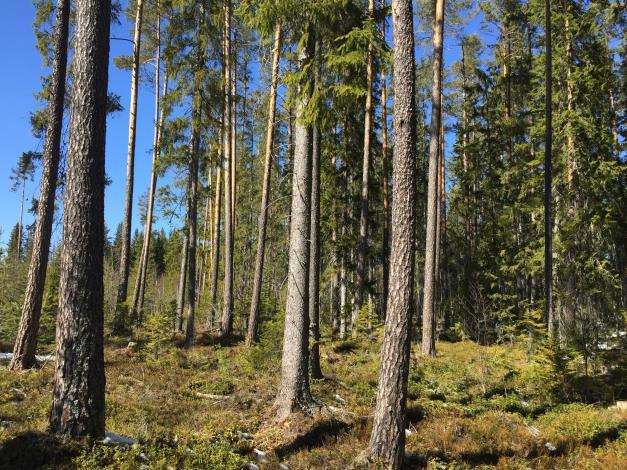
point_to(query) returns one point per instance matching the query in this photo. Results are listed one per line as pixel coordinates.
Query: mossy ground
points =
(472, 406)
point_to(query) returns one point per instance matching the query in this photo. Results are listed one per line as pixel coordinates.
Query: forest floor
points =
(210, 407)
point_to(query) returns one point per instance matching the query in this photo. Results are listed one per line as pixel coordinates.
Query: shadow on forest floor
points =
(35, 450)
(317, 436)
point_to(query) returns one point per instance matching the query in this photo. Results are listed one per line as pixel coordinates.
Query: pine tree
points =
(431, 247)
(294, 393)
(125, 261)
(78, 395)
(387, 439)
(26, 341)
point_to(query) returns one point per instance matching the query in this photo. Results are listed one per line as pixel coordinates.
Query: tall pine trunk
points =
(233, 132)
(253, 318)
(215, 240)
(192, 195)
(385, 182)
(314, 238)
(180, 297)
(140, 283)
(294, 393)
(548, 177)
(26, 340)
(428, 304)
(365, 179)
(387, 440)
(79, 383)
(125, 247)
(227, 308)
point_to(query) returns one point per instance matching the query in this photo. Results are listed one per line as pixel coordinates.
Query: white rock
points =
(282, 466)
(408, 432)
(260, 456)
(252, 466)
(339, 399)
(112, 438)
(9, 356)
(550, 446)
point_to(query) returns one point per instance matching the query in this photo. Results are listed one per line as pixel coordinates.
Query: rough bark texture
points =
(294, 391)
(26, 340)
(226, 326)
(365, 179)
(428, 305)
(253, 318)
(79, 384)
(125, 246)
(548, 144)
(314, 254)
(387, 440)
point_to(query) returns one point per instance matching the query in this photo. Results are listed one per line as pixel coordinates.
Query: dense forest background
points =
(183, 269)
(490, 286)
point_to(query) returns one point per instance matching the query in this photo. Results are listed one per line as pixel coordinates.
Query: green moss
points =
(570, 425)
(157, 456)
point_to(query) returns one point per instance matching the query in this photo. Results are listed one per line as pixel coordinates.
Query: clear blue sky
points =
(19, 82)
(22, 79)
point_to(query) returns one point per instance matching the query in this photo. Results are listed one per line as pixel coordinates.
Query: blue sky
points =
(22, 79)
(18, 84)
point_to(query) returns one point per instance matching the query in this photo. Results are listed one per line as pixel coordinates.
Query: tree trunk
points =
(20, 232)
(442, 240)
(385, 182)
(335, 280)
(192, 195)
(342, 299)
(140, 283)
(125, 247)
(570, 141)
(207, 226)
(227, 312)
(234, 135)
(314, 253)
(428, 304)
(215, 241)
(79, 382)
(365, 178)
(26, 340)
(253, 319)
(548, 213)
(466, 183)
(180, 302)
(387, 440)
(438, 230)
(294, 391)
